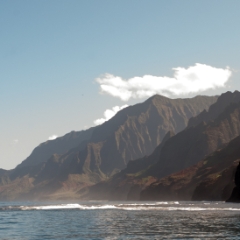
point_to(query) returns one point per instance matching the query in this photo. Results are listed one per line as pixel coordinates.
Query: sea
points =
(119, 220)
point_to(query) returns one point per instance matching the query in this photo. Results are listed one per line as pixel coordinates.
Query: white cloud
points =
(53, 137)
(15, 141)
(109, 113)
(194, 79)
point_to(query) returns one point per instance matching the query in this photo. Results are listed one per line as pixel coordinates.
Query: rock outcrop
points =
(235, 196)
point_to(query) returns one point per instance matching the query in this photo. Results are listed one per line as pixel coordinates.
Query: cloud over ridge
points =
(194, 79)
(109, 113)
(52, 137)
(15, 142)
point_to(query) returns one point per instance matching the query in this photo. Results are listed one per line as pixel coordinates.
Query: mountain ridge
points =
(133, 132)
(179, 152)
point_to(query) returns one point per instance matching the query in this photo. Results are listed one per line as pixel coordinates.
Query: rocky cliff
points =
(182, 175)
(210, 179)
(235, 195)
(178, 153)
(193, 144)
(215, 109)
(132, 133)
(127, 184)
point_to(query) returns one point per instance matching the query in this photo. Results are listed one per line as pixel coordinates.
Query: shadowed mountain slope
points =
(178, 152)
(132, 133)
(126, 185)
(215, 109)
(173, 114)
(59, 145)
(210, 179)
(235, 195)
(193, 144)
(137, 130)
(143, 128)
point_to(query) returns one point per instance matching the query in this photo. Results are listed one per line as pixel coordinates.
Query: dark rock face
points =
(237, 176)
(178, 153)
(193, 144)
(235, 196)
(215, 109)
(210, 179)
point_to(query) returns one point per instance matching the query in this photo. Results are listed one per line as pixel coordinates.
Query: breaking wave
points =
(128, 206)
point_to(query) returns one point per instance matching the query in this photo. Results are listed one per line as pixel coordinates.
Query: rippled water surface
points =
(119, 220)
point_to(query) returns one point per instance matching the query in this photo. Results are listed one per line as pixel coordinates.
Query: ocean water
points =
(119, 220)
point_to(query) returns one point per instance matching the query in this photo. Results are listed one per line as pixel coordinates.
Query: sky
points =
(71, 64)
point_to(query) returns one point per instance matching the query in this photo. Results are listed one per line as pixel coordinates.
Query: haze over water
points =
(119, 220)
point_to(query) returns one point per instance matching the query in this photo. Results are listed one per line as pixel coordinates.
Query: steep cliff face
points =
(142, 129)
(127, 184)
(132, 133)
(210, 179)
(193, 144)
(235, 195)
(190, 146)
(177, 153)
(215, 109)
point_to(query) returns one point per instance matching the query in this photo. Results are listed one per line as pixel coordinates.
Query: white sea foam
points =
(168, 203)
(148, 204)
(67, 206)
(180, 209)
(201, 209)
(158, 206)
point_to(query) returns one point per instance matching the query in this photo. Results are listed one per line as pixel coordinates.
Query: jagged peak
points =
(215, 109)
(228, 94)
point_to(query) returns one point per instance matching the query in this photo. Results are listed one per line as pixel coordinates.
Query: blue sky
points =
(52, 52)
